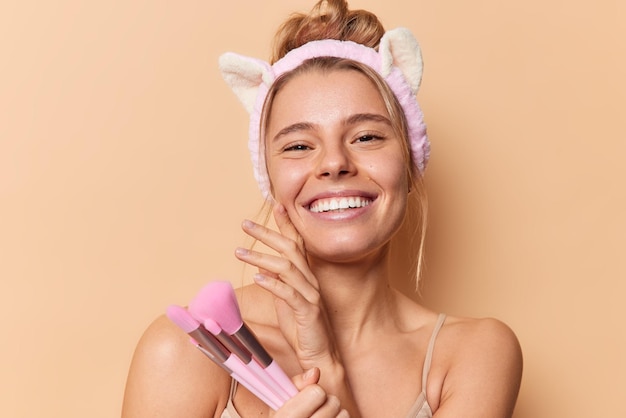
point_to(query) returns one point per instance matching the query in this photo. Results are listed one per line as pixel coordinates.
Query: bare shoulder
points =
(478, 335)
(170, 377)
(480, 369)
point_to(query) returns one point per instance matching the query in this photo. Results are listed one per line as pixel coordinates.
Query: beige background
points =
(124, 178)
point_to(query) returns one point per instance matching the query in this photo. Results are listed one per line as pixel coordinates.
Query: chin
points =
(344, 252)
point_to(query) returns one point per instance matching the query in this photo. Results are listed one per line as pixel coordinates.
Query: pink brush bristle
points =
(182, 318)
(212, 326)
(217, 301)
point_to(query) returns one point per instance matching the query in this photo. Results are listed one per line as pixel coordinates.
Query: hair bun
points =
(328, 19)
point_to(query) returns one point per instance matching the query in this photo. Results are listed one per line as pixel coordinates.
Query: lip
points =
(338, 195)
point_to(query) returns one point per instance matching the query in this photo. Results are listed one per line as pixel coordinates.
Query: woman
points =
(339, 148)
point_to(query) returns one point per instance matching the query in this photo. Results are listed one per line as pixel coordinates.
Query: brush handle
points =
(268, 381)
(247, 338)
(210, 343)
(252, 382)
(240, 351)
(234, 346)
(255, 392)
(242, 376)
(211, 356)
(279, 376)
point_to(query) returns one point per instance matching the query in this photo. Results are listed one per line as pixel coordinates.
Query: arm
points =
(169, 377)
(485, 372)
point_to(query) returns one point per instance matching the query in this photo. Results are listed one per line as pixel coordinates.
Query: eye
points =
(296, 147)
(368, 138)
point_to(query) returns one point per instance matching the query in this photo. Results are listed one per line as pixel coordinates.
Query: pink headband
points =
(398, 61)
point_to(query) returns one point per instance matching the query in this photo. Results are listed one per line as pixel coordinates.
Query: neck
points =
(357, 295)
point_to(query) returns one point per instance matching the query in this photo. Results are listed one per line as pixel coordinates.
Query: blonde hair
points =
(331, 19)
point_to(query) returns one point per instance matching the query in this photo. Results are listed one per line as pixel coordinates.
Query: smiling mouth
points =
(339, 204)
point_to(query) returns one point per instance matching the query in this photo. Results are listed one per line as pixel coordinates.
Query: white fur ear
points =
(244, 75)
(399, 47)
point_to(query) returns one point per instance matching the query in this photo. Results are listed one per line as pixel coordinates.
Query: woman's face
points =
(336, 164)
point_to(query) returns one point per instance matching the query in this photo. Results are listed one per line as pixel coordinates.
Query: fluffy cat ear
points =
(398, 47)
(244, 75)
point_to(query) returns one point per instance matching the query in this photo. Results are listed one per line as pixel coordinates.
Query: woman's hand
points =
(311, 400)
(299, 307)
(302, 316)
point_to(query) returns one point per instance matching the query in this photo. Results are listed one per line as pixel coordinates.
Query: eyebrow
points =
(353, 119)
(296, 127)
(367, 117)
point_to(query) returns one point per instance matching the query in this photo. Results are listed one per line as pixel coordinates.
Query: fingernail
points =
(343, 414)
(259, 278)
(308, 374)
(248, 224)
(280, 208)
(242, 251)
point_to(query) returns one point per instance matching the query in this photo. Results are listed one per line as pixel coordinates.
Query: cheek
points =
(286, 181)
(392, 173)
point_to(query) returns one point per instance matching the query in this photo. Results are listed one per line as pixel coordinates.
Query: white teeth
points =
(326, 205)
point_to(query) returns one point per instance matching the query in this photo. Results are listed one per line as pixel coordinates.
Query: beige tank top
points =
(420, 408)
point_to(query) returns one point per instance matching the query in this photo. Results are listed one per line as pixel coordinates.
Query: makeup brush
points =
(217, 301)
(208, 344)
(246, 357)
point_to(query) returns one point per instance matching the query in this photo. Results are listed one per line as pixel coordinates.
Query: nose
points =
(335, 161)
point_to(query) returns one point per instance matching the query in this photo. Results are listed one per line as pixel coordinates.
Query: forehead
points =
(322, 97)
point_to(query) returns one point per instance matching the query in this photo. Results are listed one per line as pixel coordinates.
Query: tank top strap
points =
(429, 354)
(233, 389)
(230, 411)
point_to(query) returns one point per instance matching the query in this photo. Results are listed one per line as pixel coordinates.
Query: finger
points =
(286, 227)
(304, 404)
(300, 302)
(286, 271)
(267, 273)
(273, 239)
(330, 408)
(310, 377)
(285, 247)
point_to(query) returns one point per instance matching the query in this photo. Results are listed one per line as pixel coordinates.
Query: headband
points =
(398, 61)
